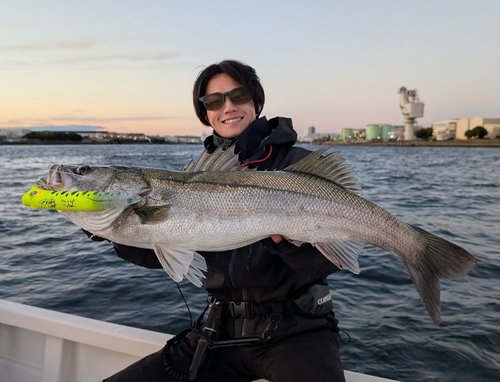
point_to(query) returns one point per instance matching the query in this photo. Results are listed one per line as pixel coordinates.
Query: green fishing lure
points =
(76, 200)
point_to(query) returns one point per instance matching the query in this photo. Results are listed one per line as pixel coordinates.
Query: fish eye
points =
(83, 170)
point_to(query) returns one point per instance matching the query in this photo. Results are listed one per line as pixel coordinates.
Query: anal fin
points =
(344, 254)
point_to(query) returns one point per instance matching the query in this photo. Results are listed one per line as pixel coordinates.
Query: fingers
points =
(278, 238)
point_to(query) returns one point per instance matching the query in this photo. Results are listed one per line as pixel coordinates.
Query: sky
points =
(129, 66)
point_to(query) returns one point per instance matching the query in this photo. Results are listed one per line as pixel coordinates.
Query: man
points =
(271, 311)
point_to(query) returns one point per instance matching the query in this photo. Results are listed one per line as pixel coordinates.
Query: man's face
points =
(230, 120)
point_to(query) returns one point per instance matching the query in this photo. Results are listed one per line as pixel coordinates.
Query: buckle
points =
(241, 309)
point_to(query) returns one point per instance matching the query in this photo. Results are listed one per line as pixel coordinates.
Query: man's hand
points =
(93, 237)
(278, 238)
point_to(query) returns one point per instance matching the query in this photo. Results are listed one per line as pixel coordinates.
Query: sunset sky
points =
(129, 66)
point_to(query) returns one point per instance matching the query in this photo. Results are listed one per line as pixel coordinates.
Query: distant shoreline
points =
(415, 143)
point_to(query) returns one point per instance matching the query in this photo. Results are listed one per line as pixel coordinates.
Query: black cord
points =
(187, 306)
(347, 334)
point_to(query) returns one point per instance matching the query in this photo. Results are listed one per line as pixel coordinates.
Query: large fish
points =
(212, 207)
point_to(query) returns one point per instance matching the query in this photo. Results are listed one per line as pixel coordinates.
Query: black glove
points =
(139, 256)
(94, 237)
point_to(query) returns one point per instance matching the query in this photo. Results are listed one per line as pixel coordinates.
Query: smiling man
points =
(270, 311)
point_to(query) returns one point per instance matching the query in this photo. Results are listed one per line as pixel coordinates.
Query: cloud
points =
(76, 52)
(14, 25)
(73, 44)
(111, 119)
(72, 119)
(132, 57)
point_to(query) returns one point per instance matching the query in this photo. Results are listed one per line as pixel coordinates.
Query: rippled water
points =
(47, 262)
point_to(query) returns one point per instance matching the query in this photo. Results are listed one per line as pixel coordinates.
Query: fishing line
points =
(348, 337)
(185, 303)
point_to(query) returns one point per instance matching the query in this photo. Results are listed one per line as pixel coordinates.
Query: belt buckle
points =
(241, 309)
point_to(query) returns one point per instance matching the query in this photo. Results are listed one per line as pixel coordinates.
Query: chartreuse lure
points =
(76, 200)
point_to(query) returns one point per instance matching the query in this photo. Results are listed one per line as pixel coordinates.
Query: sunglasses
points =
(215, 101)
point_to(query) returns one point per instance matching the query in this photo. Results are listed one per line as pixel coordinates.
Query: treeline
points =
(54, 136)
(477, 132)
(424, 134)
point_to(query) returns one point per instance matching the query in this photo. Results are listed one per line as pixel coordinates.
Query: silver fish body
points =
(212, 207)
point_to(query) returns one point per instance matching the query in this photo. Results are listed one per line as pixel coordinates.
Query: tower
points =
(412, 108)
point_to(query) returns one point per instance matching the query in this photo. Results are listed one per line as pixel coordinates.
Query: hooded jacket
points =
(262, 272)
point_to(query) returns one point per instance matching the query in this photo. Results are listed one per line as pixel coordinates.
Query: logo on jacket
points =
(324, 299)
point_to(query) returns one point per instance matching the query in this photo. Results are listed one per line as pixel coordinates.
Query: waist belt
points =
(246, 309)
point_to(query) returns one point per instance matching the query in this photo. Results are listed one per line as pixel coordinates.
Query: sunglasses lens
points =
(239, 96)
(215, 101)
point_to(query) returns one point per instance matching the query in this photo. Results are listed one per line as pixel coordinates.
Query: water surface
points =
(48, 262)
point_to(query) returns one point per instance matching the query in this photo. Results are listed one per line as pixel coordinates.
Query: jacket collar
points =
(260, 133)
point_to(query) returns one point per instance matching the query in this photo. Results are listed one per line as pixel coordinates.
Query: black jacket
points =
(262, 272)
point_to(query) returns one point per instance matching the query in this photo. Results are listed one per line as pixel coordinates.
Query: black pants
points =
(309, 356)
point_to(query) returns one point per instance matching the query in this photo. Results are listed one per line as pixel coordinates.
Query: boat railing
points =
(40, 345)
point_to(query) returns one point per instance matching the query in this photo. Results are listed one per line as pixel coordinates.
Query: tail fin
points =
(441, 260)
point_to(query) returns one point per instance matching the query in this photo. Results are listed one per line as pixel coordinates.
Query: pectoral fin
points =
(180, 262)
(153, 214)
(196, 269)
(344, 254)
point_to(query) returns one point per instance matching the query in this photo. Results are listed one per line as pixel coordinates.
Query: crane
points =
(412, 108)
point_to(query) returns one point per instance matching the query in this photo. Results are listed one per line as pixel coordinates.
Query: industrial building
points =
(492, 125)
(384, 132)
(377, 132)
(347, 135)
(313, 135)
(183, 139)
(106, 136)
(444, 130)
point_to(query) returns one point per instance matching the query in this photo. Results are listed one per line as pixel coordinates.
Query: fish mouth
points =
(57, 179)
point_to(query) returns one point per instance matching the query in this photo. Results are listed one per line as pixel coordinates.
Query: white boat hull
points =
(40, 345)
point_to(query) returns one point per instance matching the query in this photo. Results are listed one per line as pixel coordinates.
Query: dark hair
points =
(241, 73)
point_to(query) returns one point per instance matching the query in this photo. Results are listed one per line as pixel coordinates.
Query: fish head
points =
(121, 179)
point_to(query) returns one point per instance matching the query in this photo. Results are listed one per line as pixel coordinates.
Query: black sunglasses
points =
(215, 101)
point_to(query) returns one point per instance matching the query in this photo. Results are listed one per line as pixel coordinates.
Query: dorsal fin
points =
(331, 167)
(222, 159)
